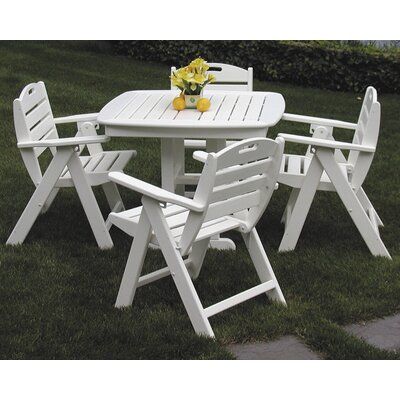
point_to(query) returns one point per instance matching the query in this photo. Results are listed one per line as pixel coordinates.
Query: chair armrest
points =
(332, 144)
(76, 118)
(149, 190)
(200, 156)
(319, 121)
(75, 141)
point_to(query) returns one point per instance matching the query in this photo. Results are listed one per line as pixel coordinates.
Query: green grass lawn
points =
(58, 289)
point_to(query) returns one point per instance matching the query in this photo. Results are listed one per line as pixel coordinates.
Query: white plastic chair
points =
(324, 167)
(234, 189)
(36, 131)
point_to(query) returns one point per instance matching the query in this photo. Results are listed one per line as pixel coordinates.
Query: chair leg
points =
(113, 197)
(302, 206)
(50, 200)
(178, 269)
(89, 203)
(135, 262)
(114, 200)
(196, 257)
(352, 204)
(289, 206)
(367, 205)
(262, 264)
(39, 197)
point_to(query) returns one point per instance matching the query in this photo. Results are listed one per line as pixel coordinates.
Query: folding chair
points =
(36, 130)
(234, 189)
(324, 167)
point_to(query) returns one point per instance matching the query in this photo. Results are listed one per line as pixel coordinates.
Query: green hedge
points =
(322, 64)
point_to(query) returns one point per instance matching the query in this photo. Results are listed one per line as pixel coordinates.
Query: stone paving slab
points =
(382, 333)
(286, 348)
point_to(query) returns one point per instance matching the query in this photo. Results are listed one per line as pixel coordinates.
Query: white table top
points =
(144, 109)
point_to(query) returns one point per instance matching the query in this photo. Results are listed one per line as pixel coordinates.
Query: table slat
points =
(160, 107)
(132, 106)
(216, 101)
(241, 107)
(272, 108)
(142, 111)
(225, 110)
(254, 110)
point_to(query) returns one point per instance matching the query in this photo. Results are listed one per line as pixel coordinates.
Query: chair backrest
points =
(237, 181)
(366, 134)
(228, 77)
(33, 120)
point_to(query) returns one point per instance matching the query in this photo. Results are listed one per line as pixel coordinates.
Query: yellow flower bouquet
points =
(191, 80)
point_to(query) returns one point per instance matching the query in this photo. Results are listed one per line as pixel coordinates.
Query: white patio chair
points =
(36, 130)
(234, 189)
(324, 167)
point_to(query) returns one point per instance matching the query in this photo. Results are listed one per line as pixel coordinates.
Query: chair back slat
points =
(238, 181)
(245, 152)
(238, 187)
(228, 77)
(33, 120)
(244, 171)
(366, 134)
(233, 205)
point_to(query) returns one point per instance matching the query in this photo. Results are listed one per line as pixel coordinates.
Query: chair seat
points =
(294, 168)
(98, 166)
(176, 217)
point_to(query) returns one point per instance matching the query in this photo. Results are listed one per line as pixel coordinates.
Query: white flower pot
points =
(191, 100)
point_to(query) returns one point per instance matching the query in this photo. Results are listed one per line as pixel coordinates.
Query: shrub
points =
(323, 64)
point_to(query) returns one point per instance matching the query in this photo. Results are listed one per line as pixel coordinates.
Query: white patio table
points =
(149, 113)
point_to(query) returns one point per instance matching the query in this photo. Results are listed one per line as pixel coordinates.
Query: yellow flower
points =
(211, 78)
(176, 80)
(199, 65)
(192, 78)
(199, 78)
(184, 73)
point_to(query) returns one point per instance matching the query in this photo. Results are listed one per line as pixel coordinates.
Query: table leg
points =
(179, 163)
(172, 164)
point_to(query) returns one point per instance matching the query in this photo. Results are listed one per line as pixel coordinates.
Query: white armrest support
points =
(75, 141)
(200, 156)
(149, 190)
(76, 118)
(332, 144)
(319, 121)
